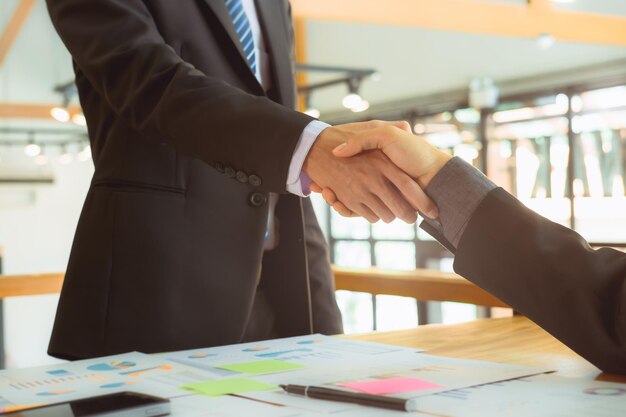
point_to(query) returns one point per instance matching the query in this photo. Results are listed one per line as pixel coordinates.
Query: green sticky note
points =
(228, 386)
(261, 367)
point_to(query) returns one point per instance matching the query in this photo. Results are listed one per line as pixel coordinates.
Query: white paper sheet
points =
(312, 351)
(127, 372)
(443, 373)
(537, 396)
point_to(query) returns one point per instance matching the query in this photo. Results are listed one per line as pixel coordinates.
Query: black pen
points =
(330, 394)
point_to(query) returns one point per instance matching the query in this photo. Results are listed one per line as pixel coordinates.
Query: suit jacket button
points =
(230, 172)
(242, 177)
(255, 180)
(258, 199)
(219, 167)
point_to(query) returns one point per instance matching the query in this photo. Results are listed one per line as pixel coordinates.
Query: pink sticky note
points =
(391, 386)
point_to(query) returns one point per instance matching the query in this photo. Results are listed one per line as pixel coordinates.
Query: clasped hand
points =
(376, 170)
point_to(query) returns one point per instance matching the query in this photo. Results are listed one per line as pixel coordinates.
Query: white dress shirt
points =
(297, 181)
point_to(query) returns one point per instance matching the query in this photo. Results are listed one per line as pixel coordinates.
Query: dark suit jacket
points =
(186, 146)
(550, 274)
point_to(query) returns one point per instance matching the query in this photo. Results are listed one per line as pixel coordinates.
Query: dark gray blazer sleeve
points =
(117, 46)
(541, 269)
(551, 275)
(457, 190)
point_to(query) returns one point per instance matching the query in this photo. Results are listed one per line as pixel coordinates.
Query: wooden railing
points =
(19, 285)
(421, 284)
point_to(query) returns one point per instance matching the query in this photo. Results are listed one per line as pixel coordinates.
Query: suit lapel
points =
(273, 20)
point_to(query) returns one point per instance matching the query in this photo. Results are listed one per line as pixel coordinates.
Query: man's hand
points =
(415, 156)
(369, 184)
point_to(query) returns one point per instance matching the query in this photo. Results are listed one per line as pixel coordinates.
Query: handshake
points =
(376, 170)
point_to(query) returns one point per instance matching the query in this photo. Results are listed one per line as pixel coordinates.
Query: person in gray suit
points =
(545, 271)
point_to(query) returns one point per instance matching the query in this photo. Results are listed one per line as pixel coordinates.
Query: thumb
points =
(355, 146)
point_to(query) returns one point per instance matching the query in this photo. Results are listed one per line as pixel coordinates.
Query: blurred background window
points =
(562, 154)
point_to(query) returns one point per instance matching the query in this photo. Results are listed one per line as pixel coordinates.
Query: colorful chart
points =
(205, 367)
(128, 372)
(55, 392)
(309, 342)
(284, 352)
(59, 372)
(12, 408)
(55, 381)
(143, 371)
(256, 349)
(201, 355)
(118, 384)
(112, 366)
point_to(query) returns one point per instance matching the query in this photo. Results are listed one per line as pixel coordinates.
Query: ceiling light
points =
(60, 114)
(65, 157)
(32, 149)
(85, 154)
(352, 100)
(362, 106)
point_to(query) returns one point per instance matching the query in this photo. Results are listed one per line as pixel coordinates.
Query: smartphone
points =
(122, 404)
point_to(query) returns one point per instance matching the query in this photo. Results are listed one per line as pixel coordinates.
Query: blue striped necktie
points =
(244, 31)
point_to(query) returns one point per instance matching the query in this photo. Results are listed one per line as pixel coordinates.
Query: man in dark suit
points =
(540, 268)
(184, 240)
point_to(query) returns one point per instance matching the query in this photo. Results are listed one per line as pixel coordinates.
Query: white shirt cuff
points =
(297, 181)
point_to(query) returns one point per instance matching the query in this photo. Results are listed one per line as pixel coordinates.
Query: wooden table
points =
(515, 340)
(421, 284)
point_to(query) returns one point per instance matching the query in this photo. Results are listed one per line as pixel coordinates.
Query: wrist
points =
(298, 182)
(321, 150)
(440, 159)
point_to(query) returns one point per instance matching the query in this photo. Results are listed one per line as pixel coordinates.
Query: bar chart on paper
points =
(133, 371)
(313, 350)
